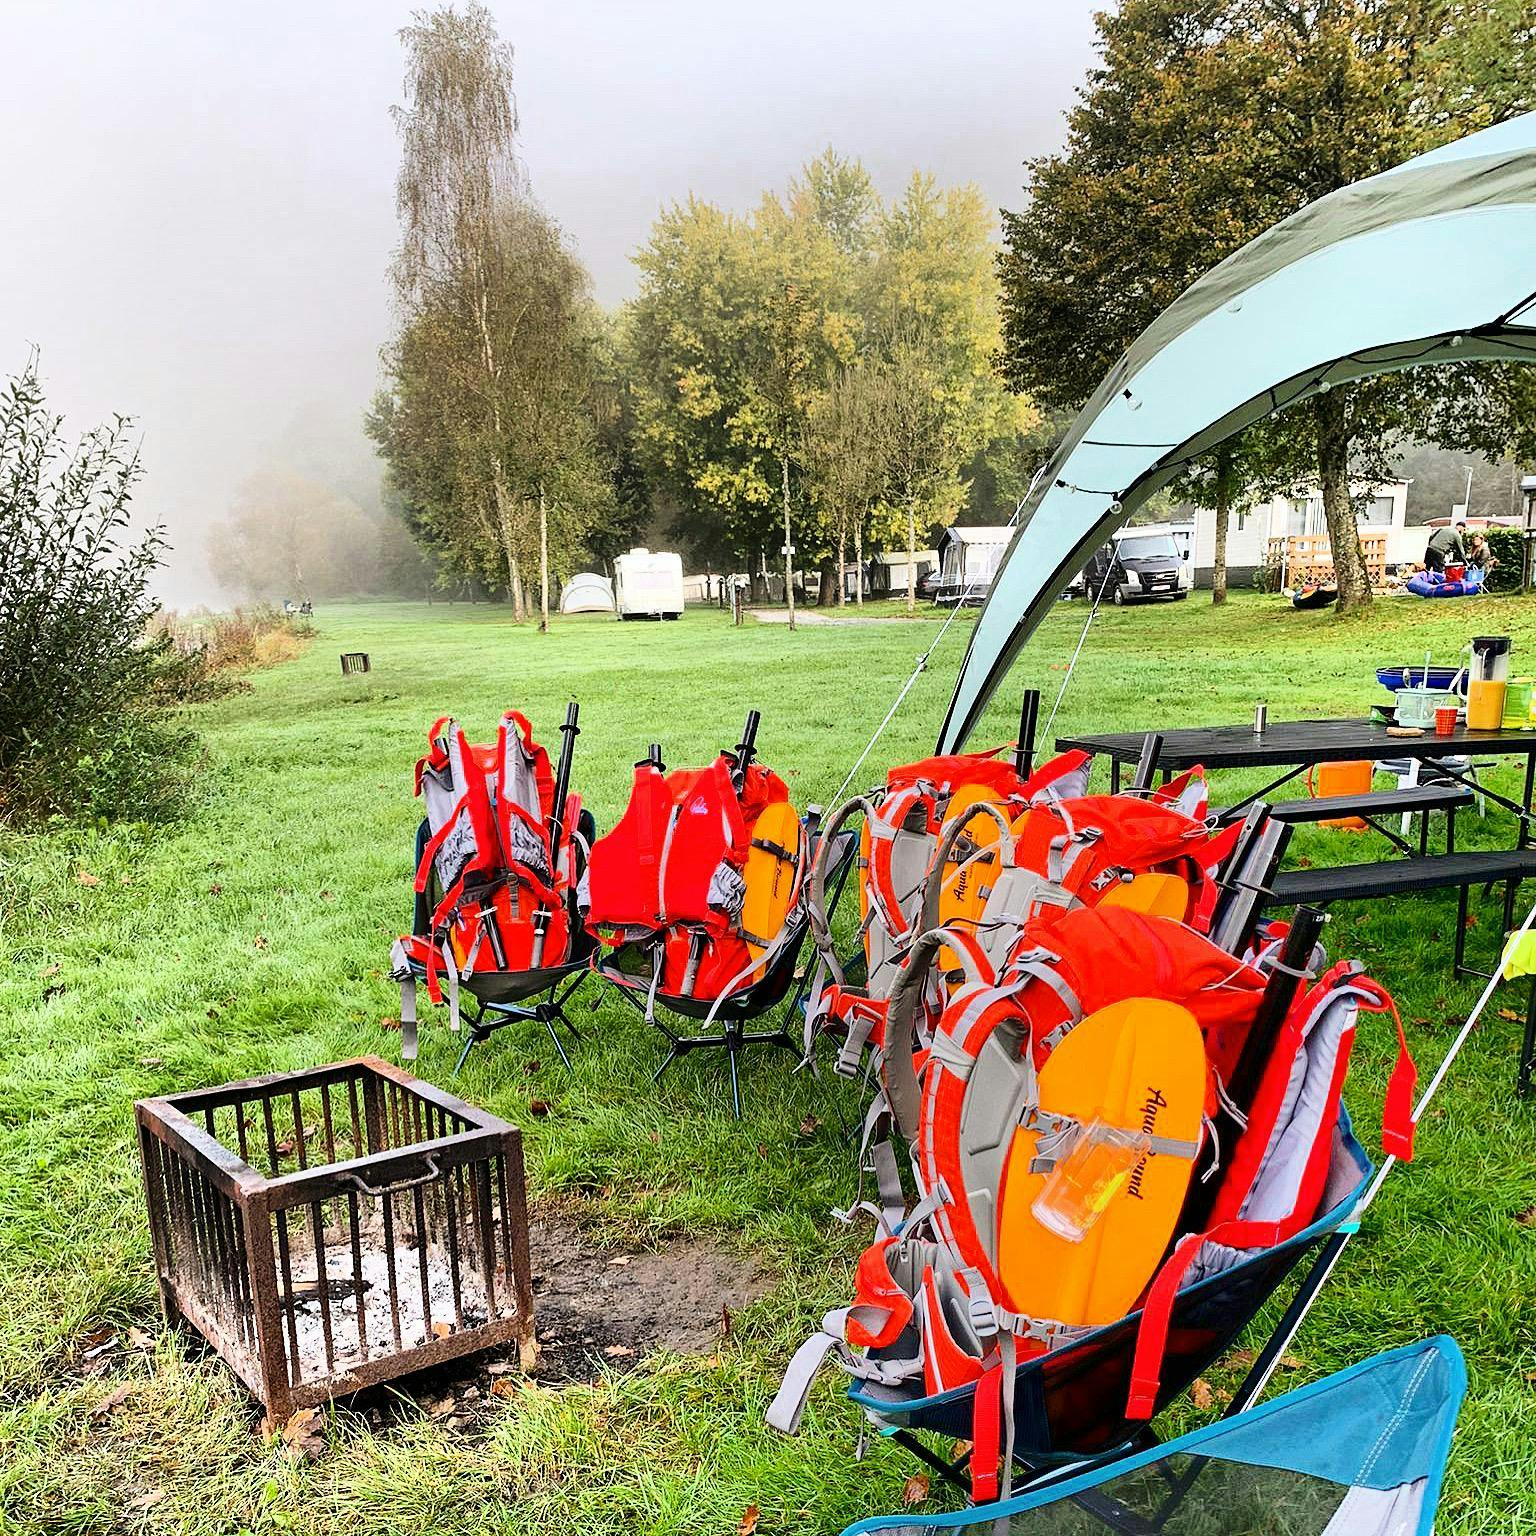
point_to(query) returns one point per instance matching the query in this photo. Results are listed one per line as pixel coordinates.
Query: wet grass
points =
(255, 937)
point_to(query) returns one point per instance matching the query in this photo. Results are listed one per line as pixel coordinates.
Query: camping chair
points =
(501, 827)
(1360, 1453)
(781, 989)
(500, 998)
(678, 910)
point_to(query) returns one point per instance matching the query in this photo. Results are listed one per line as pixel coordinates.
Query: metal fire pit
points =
(329, 1229)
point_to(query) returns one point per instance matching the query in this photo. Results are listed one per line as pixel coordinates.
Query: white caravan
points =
(648, 586)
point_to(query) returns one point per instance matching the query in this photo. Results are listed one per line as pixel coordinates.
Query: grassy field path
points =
(254, 937)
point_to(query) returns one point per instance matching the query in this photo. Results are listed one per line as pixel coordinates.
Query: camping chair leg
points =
(470, 1038)
(951, 1472)
(1458, 967)
(1527, 1044)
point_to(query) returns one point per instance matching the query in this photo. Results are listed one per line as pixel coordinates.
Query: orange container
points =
(1327, 780)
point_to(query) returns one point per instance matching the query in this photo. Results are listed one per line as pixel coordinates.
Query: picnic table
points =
(1296, 745)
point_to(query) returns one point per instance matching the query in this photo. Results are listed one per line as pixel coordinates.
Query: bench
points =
(1423, 798)
(1381, 802)
(1399, 877)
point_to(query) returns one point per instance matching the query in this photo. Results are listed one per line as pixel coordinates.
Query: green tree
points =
(844, 463)
(490, 421)
(1202, 126)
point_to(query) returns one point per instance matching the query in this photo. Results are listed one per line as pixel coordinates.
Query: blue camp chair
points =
(1360, 1453)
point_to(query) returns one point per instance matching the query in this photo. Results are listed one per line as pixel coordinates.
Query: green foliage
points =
(1204, 125)
(80, 727)
(490, 421)
(1507, 546)
(743, 327)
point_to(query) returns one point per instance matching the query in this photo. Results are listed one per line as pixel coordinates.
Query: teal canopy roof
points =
(1432, 262)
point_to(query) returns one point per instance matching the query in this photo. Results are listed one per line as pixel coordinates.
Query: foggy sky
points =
(198, 199)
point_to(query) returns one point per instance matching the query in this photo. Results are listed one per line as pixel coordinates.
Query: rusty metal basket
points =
(330, 1229)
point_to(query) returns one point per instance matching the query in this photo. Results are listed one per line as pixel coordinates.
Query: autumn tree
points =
(845, 463)
(489, 420)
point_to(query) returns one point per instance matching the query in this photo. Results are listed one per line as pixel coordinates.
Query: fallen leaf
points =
(214, 890)
(530, 1067)
(52, 970)
(1527, 1217)
(619, 1260)
(112, 1401)
(618, 1351)
(748, 1521)
(442, 1330)
(1291, 1362)
(914, 1490)
(284, 1148)
(503, 1386)
(441, 1408)
(138, 1339)
(538, 1108)
(389, 1021)
(959, 1449)
(125, 879)
(260, 941)
(303, 1435)
(1200, 1394)
(1510, 1015)
(148, 1500)
(85, 877)
(810, 1125)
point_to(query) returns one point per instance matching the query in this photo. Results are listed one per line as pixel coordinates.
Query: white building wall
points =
(1249, 532)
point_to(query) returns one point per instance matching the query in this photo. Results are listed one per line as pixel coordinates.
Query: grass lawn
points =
(254, 938)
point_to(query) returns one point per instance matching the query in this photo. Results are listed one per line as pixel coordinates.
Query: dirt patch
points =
(599, 1307)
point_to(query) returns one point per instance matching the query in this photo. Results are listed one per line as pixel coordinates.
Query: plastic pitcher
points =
(1489, 681)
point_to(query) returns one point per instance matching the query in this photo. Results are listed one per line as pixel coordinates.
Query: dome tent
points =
(587, 592)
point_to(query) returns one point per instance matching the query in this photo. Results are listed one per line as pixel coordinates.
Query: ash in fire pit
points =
(414, 1267)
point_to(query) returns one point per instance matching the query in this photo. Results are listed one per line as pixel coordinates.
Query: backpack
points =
(901, 870)
(501, 888)
(702, 871)
(931, 1312)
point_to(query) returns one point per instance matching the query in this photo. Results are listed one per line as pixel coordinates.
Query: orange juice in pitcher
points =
(1488, 678)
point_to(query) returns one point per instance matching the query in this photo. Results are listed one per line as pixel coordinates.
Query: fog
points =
(199, 200)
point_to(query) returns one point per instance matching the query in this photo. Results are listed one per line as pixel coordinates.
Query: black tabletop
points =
(1300, 741)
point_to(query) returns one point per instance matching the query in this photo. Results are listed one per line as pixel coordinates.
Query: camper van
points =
(1141, 563)
(648, 586)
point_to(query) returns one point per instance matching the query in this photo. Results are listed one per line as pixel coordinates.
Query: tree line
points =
(833, 373)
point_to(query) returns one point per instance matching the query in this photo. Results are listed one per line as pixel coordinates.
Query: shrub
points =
(81, 727)
(206, 650)
(1508, 547)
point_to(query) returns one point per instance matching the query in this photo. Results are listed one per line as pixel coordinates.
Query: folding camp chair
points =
(1359, 1453)
(1071, 1403)
(487, 842)
(632, 968)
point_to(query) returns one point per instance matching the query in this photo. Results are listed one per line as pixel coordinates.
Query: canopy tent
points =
(1432, 262)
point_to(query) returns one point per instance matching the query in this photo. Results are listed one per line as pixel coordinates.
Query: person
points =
(1481, 553)
(1447, 546)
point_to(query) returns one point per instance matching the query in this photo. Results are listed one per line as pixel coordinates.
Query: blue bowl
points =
(1413, 677)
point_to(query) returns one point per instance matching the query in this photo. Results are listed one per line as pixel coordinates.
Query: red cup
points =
(1445, 720)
